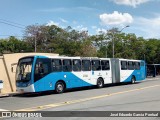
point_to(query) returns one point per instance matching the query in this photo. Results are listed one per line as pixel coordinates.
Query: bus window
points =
(142, 63)
(105, 64)
(96, 65)
(130, 65)
(137, 65)
(42, 68)
(77, 65)
(67, 65)
(56, 65)
(123, 65)
(86, 65)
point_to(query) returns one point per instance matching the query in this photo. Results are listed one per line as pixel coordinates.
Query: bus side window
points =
(86, 65)
(96, 65)
(130, 65)
(105, 65)
(76, 65)
(67, 65)
(56, 65)
(123, 65)
(42, 68)
(137, 65)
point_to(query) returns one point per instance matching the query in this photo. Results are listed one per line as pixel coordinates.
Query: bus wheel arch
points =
(100, 82)
(133, 79)
(60, 86)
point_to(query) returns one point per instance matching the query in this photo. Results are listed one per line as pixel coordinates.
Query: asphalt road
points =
(142, 96)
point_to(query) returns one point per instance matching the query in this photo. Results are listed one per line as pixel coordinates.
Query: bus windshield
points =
(24, 68)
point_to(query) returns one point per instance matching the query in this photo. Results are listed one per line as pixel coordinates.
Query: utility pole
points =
(35, 39)
(113, 40)
(35, 43)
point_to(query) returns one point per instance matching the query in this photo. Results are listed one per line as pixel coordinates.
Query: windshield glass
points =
(24, 68)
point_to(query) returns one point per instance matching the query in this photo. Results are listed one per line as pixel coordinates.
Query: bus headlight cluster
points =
(28, 84)
(24, 85)
(17, 84)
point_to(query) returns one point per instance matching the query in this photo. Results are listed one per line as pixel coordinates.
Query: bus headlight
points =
(17, 84)
(24, 85)
(28, 84)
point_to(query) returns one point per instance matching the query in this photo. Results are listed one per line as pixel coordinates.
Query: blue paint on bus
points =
(48, 82)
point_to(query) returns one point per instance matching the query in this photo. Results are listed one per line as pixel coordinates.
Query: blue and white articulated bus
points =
(44, 73)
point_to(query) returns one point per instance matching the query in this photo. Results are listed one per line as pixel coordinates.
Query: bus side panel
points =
(71, 80)
(139, 74)
(126, 75)
(107, 76)
(86, 78)
(39, 85)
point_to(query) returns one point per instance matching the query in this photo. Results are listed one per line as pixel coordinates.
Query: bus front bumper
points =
(27, 89)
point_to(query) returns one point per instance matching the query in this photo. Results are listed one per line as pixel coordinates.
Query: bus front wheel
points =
(59, 87)
(100, 83)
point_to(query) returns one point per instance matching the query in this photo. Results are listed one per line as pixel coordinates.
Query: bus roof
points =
(78, 57)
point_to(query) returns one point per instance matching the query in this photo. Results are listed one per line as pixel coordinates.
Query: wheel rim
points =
(100, 83)
(133, 80)
(59, 87)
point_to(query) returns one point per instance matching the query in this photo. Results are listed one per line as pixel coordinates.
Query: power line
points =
(12, 25)
(11, 22)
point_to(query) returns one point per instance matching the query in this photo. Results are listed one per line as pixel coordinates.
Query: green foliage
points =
(13, 45)
(71, 42)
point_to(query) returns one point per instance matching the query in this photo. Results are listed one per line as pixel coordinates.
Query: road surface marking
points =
(37, 108)
(150, 79)
(3, 110)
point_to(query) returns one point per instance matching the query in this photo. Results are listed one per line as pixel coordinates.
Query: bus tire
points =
(100, 83)
(133, 79)
(60, 87)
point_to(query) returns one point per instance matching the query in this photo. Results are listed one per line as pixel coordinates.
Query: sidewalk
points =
(8, 94)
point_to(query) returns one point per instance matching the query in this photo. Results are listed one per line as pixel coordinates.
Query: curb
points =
(4, 95)
(8, 95)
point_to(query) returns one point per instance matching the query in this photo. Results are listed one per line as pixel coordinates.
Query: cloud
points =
(148, 27)
(60, 9)
(93, 27)
(116, 18)
(69, 9)
(132, 3)
(81, 28)
(84, 29)
(52, 23)
(101, 30)
(63, 20)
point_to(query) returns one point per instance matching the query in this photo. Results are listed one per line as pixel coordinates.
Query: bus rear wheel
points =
(60, 87)
(133, 80)
(100, 83)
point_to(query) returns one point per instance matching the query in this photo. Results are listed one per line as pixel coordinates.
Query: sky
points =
(143, 16)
